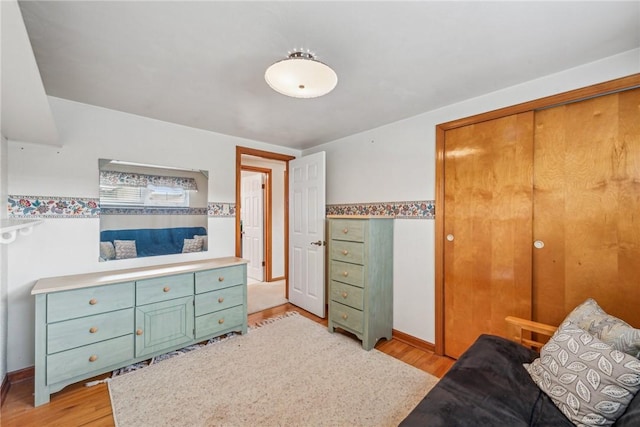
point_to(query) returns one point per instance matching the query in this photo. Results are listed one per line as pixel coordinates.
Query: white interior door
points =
(252, 214)
(306, 233)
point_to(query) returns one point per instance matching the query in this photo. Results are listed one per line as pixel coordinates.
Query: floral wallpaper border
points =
(83, 207)
(424, 209)
(79, 207)
(52, 207)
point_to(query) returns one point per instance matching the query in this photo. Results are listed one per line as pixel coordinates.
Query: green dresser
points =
(89, 324)
(361, 277)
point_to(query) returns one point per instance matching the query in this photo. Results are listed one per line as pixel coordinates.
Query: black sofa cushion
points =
(488, 386)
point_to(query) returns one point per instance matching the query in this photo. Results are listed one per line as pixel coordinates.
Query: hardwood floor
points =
(77, 405)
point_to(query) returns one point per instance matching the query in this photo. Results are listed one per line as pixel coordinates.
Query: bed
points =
(491, 383)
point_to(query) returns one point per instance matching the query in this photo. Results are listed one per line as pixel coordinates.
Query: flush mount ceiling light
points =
(301, 76)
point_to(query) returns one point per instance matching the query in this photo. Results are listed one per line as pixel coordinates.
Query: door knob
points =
(450, 237)
(538, 244)
(319, 243)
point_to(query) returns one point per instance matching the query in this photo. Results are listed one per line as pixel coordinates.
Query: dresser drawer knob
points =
(345, 273)
(345, 252)
(221, 321)
(93, 330)
(138, 331)
(344, 295)
(220, 300)
(221, 279)
(93, 358)
(166, 289)
(93, 301)
(345, 230)
(344, 316)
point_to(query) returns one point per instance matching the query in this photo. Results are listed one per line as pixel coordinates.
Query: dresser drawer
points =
(211, 324)
(347, 294)
(219, 278)
(346, 316)
(88, 301)
(163, 288)
(79, 361)
(88, 330)
(219, 300)
(348, 229)
(347, 251)
(344, 272)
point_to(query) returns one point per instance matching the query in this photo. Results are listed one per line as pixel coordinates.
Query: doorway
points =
(255, 220)
(266, 248)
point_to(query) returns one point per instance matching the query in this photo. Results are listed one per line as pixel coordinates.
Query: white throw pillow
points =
(107, 251)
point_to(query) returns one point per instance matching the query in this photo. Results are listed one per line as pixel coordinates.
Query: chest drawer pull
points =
(344, 316)
(345, 230)
(345, 273)
(93, 330)
(93, 358)
(221, 279)
(139, 332)
(166, 289)
(220, 300)
(344, 295)
(93, 301)
(221, 321)
(345, 252)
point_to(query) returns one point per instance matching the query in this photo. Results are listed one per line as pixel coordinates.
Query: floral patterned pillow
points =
(589, 381)
(611, 330)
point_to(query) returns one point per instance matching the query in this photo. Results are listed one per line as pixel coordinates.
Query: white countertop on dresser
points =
(86, 280)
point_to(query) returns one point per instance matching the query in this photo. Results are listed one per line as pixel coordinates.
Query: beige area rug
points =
(263, 295)
(289, 372)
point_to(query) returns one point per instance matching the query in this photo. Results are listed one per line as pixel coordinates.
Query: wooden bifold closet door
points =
(587, 207)
(487, 226)
(541, 211)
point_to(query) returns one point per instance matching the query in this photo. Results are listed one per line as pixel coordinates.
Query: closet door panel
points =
(587, 207)
(487, 228)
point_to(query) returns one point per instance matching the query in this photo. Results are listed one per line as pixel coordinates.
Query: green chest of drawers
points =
(93, 323)
(361, 277)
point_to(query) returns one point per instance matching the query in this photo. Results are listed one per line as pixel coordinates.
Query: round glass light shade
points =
(301, 76)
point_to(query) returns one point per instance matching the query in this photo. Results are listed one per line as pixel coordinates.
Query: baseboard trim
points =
(413, 341)
(4, 389)
(21, 375)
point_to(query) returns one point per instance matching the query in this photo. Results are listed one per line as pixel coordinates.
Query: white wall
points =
(70, 246)
(3, 264)
(397, 163)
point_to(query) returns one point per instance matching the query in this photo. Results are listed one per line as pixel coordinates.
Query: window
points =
(150, 196)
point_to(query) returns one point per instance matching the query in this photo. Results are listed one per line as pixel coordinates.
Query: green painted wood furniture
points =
(89, 324)
(361, 277)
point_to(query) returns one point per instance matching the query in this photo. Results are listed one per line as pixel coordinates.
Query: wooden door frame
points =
(624, 83)
(266, 218)
(271, 156)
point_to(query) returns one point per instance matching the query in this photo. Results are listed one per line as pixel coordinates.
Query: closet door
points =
(487, 228)
(587, 207)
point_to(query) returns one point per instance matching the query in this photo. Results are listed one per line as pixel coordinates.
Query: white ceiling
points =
(201, 64)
